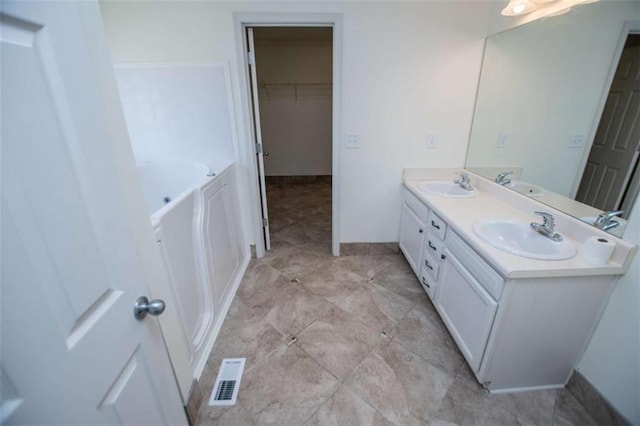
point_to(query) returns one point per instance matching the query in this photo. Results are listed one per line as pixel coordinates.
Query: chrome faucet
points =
(547, 227)
(605, 220)
(464, 181)
(501, 179)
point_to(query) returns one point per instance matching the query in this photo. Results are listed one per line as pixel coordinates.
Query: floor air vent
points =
(225, 389)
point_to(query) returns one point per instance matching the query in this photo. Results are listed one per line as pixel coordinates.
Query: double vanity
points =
(520, 303)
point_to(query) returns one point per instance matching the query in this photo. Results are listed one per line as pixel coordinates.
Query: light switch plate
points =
(432, 140)
(504, 139)
(352, 141)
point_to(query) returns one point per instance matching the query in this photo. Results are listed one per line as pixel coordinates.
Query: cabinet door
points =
(411, 238)
(466, 309)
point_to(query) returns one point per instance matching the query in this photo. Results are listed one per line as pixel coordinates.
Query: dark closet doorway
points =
(291, 72)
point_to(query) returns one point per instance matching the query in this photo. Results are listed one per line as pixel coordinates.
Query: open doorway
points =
(611, 180)
(291, 71)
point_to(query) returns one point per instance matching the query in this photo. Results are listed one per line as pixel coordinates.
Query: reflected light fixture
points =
(522, 7)
(519, 7)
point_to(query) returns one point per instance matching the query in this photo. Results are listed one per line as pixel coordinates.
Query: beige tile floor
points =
(351, 340)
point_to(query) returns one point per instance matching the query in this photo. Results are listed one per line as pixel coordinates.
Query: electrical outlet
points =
(504, 139)
(352, 141)
(432, 140)
(576, 141)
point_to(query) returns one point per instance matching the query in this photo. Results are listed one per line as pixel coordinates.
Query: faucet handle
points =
(501, 177)
(611, 214)
(605, 218)
(547, 220)
(463, 176)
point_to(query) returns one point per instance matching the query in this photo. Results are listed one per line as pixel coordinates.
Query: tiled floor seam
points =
(393, 340)
(356, 318)
(358, 394)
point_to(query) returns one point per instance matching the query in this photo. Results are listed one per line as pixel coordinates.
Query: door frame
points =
(242, 20)
(629, 27)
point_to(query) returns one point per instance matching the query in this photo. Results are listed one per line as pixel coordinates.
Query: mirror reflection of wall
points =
(541, 94)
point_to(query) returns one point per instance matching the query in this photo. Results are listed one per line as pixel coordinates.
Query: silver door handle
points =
(266, 153)
(143, 306)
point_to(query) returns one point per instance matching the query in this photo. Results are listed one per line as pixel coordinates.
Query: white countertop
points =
(495, 202)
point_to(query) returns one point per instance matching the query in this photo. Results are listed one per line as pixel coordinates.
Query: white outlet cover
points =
(352, 141)
(577, 140)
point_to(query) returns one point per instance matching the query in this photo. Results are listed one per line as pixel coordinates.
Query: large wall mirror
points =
(551, 109)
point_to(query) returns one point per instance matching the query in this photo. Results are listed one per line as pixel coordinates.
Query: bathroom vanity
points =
(521, 323)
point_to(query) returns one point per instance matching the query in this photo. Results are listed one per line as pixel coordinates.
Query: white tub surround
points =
(197, 230)
(520, 323)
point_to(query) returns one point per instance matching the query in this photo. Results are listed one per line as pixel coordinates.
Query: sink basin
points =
(445, 188)
(518, 238)
(526, 188)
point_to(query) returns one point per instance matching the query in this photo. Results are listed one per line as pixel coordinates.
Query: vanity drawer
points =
(434, 246)
(485, 274)
(430, 266)
(416, 205)
(437, 225)
(428, 283)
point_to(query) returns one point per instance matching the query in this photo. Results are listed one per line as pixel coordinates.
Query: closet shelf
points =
(270, 91)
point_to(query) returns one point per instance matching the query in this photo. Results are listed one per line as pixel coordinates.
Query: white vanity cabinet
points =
(412, 230)
(523, 328)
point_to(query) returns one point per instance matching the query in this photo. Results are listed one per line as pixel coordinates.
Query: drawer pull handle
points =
(426, 262)
(421, 230)
(431, 246)
(425, 282)
(435, 225)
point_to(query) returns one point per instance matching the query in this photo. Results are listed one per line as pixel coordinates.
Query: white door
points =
(72, 351)
(258, 137)
(615, 146)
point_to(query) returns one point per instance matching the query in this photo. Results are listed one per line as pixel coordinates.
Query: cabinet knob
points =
(443, 257)
(421, 230)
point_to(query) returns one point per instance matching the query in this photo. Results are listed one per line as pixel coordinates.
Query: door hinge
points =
(251, 57)
(258, 148)
(265, 222)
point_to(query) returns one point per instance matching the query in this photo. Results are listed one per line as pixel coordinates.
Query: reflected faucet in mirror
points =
(501, 179)
(605, 220)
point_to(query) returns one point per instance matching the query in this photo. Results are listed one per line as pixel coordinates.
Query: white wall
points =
(408, 68)
(296, 120)
(612, 360)
(177, 112)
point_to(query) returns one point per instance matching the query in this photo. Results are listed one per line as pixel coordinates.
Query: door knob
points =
(266, 153)
(143, 306)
